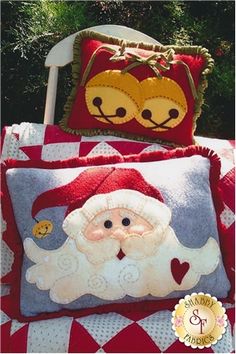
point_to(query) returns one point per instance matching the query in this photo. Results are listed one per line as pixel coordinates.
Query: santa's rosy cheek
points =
(138, 229)
(95, 235)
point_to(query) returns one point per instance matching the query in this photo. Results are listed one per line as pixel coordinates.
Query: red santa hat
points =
(91, 182)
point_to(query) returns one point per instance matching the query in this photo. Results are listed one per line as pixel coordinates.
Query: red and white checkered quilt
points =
(113, 332)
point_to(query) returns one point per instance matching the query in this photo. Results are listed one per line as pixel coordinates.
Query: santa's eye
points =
(108, 224)
(97, 101)
(146, 114)
(126, 221)
(173, 113)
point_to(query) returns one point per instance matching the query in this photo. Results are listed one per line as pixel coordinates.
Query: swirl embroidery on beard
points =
(97, 283)
(67, 263)
(129, 274)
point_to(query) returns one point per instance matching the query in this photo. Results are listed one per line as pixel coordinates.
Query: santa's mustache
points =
(134, 246)
(141, 246)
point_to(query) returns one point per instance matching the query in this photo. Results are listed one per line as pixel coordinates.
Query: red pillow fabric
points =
(47, 200)
(135, 90)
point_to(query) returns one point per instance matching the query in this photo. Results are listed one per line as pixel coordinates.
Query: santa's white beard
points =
(133, 246)
(146, 270)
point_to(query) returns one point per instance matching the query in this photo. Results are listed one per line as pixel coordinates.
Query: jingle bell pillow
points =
(134, 90)
(105, 234)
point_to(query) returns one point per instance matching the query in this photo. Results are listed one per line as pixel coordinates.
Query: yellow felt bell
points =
(42, 228)
(113, 97)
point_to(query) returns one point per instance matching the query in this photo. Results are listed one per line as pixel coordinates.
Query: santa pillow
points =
(114, 235)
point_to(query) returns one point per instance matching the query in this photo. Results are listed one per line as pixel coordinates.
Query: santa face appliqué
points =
(119, 243)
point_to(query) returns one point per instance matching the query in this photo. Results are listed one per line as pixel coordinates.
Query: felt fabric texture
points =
(97, 181)
(142, 91)
(186, 189)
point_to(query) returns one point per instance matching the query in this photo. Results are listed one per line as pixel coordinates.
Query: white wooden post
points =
(51, 95)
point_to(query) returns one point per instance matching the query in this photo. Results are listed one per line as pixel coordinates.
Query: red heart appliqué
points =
(179, 270)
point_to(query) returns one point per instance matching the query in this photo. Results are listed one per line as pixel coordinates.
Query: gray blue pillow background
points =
(184, 184)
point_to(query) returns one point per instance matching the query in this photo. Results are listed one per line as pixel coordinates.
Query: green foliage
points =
(42, 19)
(31, 28)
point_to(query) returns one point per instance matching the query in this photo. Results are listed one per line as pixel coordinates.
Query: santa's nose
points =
(118, 233)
